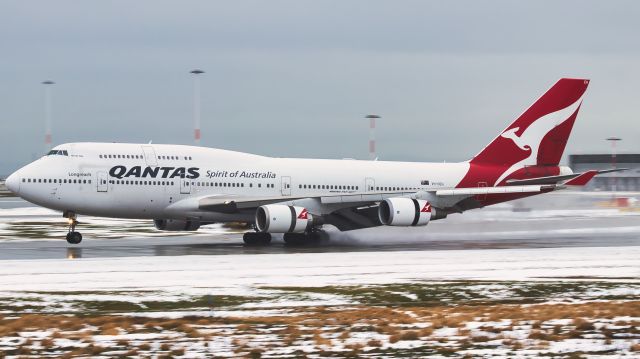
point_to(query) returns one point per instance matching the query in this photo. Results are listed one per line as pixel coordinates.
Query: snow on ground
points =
(238, 274)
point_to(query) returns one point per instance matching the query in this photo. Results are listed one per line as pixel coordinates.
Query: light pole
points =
(47, 113)
(613, 141)
(196, 105)
(372, 135)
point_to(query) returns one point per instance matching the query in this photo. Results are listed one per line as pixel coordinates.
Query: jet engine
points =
(405, 212)
(277, 218)
(176, 224)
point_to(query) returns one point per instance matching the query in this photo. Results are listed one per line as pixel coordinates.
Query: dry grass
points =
(345, 335)
(312, 325)
(319, 340)
(47, 343)
(480, 338)
(374, 343)
(177, 352)
(410, 335)
(426, 332)
(583, 324)
(243, 327)
(255, 353)
(111, 331)
(122, 343)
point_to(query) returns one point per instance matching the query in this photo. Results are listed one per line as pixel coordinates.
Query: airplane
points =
(183, 187)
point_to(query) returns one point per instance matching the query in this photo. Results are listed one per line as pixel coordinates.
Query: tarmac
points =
(535, 224)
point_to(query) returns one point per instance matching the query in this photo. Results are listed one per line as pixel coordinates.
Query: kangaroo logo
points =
(304, 214)
(511, 134)
(531, 138)
(426, 208)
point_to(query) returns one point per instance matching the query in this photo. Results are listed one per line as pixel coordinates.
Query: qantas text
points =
(154, 172)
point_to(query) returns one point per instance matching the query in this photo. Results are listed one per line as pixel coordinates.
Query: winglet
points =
(581, 180)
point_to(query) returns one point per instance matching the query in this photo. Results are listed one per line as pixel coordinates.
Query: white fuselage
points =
(150, 181)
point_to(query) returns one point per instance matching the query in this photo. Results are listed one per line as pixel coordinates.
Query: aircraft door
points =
(286, 185)
(185, 186)
(102, 182)
(150, 156)
(481, 197)
(369, 184)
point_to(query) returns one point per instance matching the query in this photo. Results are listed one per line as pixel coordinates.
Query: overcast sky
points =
(295, 78)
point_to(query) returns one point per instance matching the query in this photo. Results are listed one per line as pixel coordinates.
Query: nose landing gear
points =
(73, 237)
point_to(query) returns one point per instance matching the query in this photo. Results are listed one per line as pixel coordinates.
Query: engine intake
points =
(405, 212)
(176, 224)
(277, 218)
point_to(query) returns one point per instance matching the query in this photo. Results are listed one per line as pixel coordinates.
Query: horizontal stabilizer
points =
(555, 179)
(581, 180)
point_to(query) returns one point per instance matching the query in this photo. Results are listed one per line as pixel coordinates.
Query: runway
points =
(28, 232)
(565, 253)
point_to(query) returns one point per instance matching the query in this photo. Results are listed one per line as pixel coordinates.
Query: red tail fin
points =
(536, 138)
(540, 134)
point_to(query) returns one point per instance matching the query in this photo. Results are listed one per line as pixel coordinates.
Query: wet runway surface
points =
(232, 244)
(485, 229)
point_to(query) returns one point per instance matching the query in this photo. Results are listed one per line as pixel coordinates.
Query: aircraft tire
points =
(296, 239)
(256, 239)
(74, 237)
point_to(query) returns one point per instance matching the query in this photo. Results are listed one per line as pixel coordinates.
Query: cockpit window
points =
(58, 153)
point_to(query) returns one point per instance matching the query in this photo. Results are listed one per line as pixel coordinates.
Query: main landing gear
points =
(306, 238)
(73, 237)
(256, 238)
(290, 239)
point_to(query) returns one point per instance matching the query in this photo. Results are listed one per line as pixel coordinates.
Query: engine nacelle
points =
(277, 218)
(176, 224)
(405, 212)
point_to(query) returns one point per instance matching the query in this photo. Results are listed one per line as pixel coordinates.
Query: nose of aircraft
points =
(13, 183)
